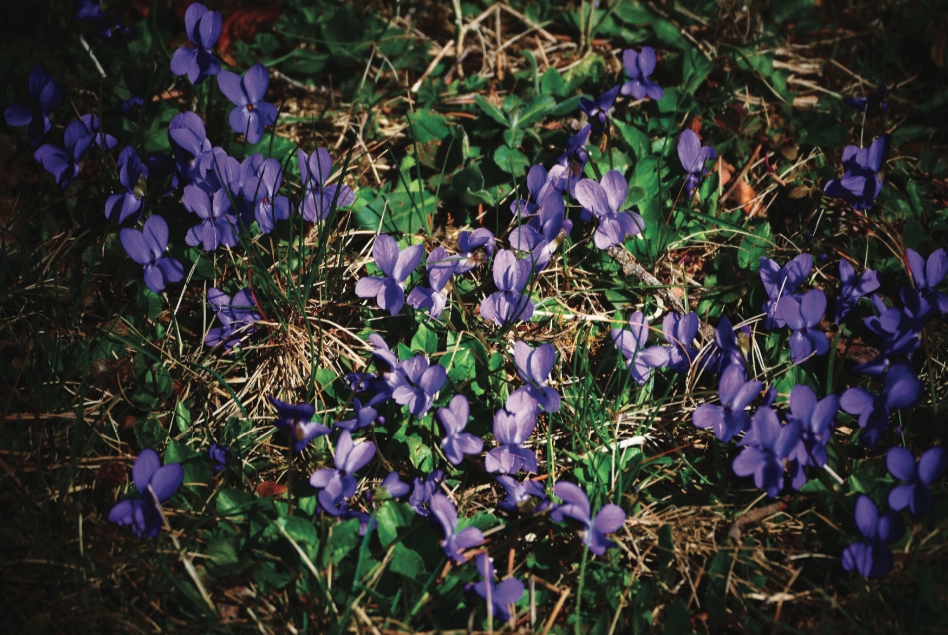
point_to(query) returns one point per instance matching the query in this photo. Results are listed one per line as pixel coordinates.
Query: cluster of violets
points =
(228, 195)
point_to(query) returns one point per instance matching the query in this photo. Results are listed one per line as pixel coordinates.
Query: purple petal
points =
(689, 146)
(646, 61)
(255, 83)
(932, 465)
(135, 246)
(616, 189)
(867, 515)
(166, 481)
(144, 468)
(407, 262)
(901, 496)
(592, 196)
(230, 85)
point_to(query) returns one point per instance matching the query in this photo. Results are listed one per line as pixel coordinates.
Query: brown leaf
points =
(267, 489)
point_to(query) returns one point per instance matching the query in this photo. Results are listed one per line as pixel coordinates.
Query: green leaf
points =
(514, 137)
(232, 501)
(326, 378)
(407, 562)
(345, 537)
(636, 196)
(669, 33)
(425, 340)
(182, 417)
(396, 213)
(552, 83)
(420, 453)
(538, 108)
(695, 68)
(492, 111)
(567, 106)
(394, 519)
(222, 556)
(299, 529)
(677, 619)
(156, 387)
(754, 246)
(150, 433)
(429, 126)
(178, 452)
(636, 140)
(510, 160)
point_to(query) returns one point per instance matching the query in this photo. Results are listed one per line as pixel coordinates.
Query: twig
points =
(734, 531)
(95, 60)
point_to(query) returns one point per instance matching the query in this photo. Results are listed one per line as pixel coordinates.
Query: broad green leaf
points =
(394, 519)
(231, 501)
(299, 529)
(425, 340)
(492, 111)
(636, 140)
(514, 137)
(407, 562)
(538, 108)
(344, 538)
(754, 246)
(178, 452)
(390, 213)
(510, 160)
(552, 83)
(567, 106)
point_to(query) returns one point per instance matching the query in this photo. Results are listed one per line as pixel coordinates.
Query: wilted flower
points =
(502, 595)
(576, 506)
(522, 497)
(153, 481)
(456, 443)
(252, 114)
(598, 110)
(872, 557)
(219, 455)
(397, 265)
(917, 495)
(203, 28)
(850, 290)
(297, 420)
(781, 281)
(146, 248)
(443, 510)
(508, 303)
(861, 182)
(692, 156)
(639, 67)
(604, 200)
(729, 419)
(340, 484)
(315, 171)
(802, 315)
(237, 317)
(46, 95)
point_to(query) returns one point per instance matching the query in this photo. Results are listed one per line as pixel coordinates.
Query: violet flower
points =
(470, 246)
(132, 174)
(440, 269)
(816, 419)
(539, 185)
(512, 429)
(861, 182)
(693, 156)
(456, 443)
(723, 352)
(153, 481)
(219, 223)
(443, 510)
(500, 596)
(423, 491)
(46, 94)
(219, 455)
(261, 192)
(900, 389)
(203, 28)
(900, 335)
(237, 317)
(546, 228)
(639, 67)
(146, 248)
(802, 315)
(576, 506)
(88, 10)
(598, 110)
(397, 265)
(679, 355)
(422, 385)
(604, 200)
(871, 102)
(574, 159)
(252, 114)
(781, 281)
(522, 497)
(872, 557)
(193, 153)
(927, 276)
(390, 487)
(362, 417)
(315, 171)
(638, 359)
(126, 106)
(766, 447)
(850, 290)
(297, 420)
(508, 303)
(917, 495)
(534, 367)
(63, 163)
(339, 484)
(729, 419)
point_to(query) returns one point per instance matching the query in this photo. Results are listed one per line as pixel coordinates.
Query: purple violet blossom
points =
(126, 106)
(729, 419)
(802, 315)
(679, 355)
(423, 491)
(46, 94)
(512, 429)
(88, 10)
(693, 156)
(63, 162)
(203, 28)
(604, 200)
(861, 182)
(639, 67)
(219, 223)
(816, 420)
(193, 154)
(927, 276)
(850, 290)
(362, 417)
(339, 484)
(443, 510)
(420, 383)
(917, 495)
(397, 265)
(237, 317)
(297, 421)
(574, 159)
(638, 359)
(534, 367)
(470, 245)
(900, 335)
(547, 225)
(900, 389)
(872, 558)
(153, 481)
(723, 352)
(261, 190)
(456, 443)
(539, 185)
(500, 596)
(508, 303)
(781, 281)
(390, 487)
(871, 102)
(146, 248)
(440, 269)
(598, 110)
(251, 114)
(576, 506)
(522, 497)
(315, 170)
(219, 455)
(766, 447)
(132, 174)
